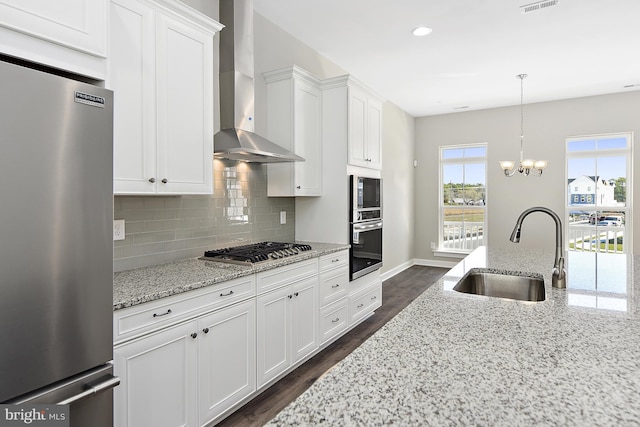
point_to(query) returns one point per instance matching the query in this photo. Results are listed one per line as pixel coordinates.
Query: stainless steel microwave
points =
(366, 198)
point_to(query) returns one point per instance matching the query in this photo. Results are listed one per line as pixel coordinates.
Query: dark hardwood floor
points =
(397, 292)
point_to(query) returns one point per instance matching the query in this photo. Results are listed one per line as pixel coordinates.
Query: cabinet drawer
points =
(286, 275)
(333, 285)
(140, 319)
(360, 305)
(334, 260)
(333, 320)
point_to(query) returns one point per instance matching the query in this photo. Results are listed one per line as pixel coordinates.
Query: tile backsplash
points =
(161, 229)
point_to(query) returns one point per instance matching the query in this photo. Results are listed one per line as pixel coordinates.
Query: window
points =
(599, 193)
(463, 194)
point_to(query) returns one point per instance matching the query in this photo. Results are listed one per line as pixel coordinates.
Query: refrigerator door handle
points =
(92, 390)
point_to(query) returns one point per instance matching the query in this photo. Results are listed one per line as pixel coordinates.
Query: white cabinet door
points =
(273, 340)
(287, 331)
(227, 351)
(304, 318)
(357, 127)
(294, 121)
(308, 141)
(374, 133)
(158, 379)
(161, 70)
(185, 108)
(78, 24)
(132, 77)
(365, 129)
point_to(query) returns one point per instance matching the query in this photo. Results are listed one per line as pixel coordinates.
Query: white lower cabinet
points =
(227, 353)
(158, 379)
(191, 359)
(287, 327)
(365, 296)
(188, 374)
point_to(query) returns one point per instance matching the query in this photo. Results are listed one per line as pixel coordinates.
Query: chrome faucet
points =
(559, 278)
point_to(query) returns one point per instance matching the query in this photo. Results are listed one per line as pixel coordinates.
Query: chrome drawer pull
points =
(227, 294)
(335, 260)
(163, 314)
(360, 305)
(337, 319)
(374, 298)
(335, 286)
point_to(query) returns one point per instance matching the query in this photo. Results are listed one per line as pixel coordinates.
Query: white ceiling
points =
(576, 48)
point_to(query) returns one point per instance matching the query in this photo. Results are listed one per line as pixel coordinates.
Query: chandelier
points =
(527, 166)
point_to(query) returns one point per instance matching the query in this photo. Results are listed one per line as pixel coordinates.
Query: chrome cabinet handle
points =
(298, 187)
(337, 319)
(335, 260)
(335, 286)
(360, 305)
(290, 296)
(164, 180)
(193, 335)
(227, 294)
(162, 314)
(152, 180)
(205, 330)
(374, 298)
(295, 294)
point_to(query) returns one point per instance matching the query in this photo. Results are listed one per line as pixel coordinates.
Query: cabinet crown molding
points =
(289, 72)
(348, 80)
(194, 16)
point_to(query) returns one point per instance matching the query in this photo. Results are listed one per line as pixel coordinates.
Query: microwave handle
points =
(367, 226)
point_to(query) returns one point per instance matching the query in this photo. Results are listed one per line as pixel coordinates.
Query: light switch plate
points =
(283, 217)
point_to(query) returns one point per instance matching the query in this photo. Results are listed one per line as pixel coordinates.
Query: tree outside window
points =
(463, 198)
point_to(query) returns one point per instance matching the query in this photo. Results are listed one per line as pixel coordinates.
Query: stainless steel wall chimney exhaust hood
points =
(236, 140)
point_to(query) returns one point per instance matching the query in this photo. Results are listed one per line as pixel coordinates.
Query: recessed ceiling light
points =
(421, 31)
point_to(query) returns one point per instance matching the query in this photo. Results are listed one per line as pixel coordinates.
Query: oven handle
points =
(367, 226)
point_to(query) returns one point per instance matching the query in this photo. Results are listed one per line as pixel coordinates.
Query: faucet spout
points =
(559, 277)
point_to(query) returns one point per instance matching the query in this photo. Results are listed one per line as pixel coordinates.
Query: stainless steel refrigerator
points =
(56, 243)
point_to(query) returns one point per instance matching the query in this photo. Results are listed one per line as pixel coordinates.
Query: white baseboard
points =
(435, 263)
(424, 262)
(396, 270)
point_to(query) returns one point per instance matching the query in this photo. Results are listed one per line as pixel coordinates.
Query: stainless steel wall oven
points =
(365, 219)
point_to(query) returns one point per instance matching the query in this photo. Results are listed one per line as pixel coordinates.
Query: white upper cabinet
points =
(66, 34)
(294, 121)
(365, 128)
(161, 72)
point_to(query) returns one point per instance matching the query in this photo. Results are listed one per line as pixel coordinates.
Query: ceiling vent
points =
(533, 7)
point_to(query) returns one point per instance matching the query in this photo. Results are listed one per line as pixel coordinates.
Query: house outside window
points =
(463, 195)
(599, 177)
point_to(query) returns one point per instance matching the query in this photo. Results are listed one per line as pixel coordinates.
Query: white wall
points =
(546, 127)
(398, 149)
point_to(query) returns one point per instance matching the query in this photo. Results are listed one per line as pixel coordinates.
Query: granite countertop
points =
(453, 359)
(146, 284)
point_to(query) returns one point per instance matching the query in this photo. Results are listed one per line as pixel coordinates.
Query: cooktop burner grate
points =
(256, 252)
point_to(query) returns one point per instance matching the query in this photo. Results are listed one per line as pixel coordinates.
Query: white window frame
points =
(447, 251)
(628, 208)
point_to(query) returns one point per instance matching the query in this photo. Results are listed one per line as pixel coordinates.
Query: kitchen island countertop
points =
(453, 359)
(132, 287)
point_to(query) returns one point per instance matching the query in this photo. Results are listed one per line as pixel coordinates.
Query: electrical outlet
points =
(433, 245)
(283, 217)
(118, 229)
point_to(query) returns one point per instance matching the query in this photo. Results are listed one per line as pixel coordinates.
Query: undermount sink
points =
(502, 285)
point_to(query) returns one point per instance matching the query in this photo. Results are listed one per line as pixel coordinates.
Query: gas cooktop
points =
(256, 252)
